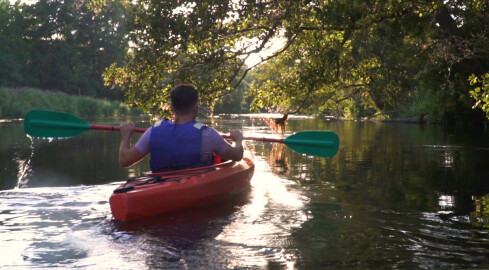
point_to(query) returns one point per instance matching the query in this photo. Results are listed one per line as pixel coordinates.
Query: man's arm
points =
(235, 152)
(128, 155)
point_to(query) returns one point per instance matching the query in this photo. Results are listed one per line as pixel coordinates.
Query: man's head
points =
(184, 98)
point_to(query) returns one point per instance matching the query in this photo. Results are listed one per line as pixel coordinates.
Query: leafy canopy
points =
(350, 57)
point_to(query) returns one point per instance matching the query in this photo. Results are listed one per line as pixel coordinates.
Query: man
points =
(181, 144)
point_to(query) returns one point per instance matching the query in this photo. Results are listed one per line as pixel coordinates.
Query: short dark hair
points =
(183, 97)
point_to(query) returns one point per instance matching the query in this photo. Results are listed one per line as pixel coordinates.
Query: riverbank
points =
(16, 102)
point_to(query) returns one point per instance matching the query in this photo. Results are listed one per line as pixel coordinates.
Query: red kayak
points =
(165, 192)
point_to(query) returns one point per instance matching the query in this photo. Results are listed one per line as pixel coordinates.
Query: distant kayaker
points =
(180, 144)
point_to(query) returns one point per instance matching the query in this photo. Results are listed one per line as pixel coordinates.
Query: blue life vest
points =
(175, 146)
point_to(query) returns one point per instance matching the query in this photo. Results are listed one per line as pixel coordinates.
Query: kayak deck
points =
(158, 193)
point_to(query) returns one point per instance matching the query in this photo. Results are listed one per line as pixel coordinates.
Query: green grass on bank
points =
(16, 102)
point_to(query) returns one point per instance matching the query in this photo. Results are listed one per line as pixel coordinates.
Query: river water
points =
(395, 196)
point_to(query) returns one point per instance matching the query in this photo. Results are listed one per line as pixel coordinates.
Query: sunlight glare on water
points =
(265, 223)
(57, 227)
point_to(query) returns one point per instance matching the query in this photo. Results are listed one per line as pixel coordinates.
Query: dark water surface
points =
(395, 196)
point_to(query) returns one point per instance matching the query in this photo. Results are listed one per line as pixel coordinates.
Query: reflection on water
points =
(480, 216)
(395, 196)
(278, 160)
(447, 153)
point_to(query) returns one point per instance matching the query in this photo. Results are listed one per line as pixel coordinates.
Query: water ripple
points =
(433, 242)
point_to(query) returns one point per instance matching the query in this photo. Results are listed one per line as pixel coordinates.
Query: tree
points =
(61, 45)
(181, 41)
(72, 45)
(464, 46)
(13, 48)
(355, 57)
(236, 102)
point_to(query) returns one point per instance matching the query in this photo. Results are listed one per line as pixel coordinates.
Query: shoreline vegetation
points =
(16, 102)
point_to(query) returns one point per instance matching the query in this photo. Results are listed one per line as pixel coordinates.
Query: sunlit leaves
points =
(481, 91)
(331, 66)
(182, 42)
(347, 57)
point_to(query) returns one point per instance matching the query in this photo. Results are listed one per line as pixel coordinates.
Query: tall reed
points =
(16, 102)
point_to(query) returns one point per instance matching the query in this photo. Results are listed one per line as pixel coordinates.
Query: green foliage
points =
(480, 216)
(350, 71)
(61, 45)
(180, 42)
(353, 59)
(12, 45)
(421, 109)
(236, 102)
(15, 103)
(347, 58)
(480, 91)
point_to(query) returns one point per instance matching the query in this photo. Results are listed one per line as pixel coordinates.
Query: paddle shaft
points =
(115, 128)
(52, 124)
(142, 130)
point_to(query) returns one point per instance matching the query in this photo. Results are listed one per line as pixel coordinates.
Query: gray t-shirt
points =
(211, 141)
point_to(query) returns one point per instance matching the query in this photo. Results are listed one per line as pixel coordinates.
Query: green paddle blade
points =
(51, 124)
(322, 143)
